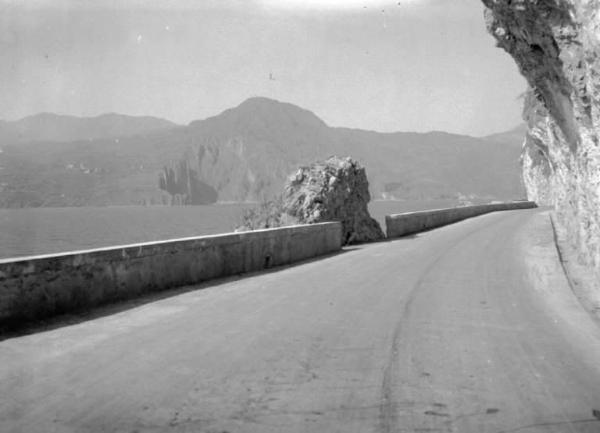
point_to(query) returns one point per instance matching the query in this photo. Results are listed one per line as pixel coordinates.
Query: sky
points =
(408, 65)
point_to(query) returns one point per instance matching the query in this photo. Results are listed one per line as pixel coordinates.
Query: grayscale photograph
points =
(294, 216)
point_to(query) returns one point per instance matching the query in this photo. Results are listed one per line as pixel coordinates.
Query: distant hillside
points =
(515, 135)
(244, 154)
(54, 127)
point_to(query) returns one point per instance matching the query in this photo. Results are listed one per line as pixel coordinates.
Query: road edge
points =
(581, 279)
(551, 288)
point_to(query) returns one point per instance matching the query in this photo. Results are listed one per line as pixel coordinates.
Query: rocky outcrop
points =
(556, 44)
(182, 183)
(334, 190)
(538, 171)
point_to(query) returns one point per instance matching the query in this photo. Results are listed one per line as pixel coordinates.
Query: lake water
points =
(34, 231)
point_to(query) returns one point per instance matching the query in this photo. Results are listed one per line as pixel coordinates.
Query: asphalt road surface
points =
(467, 328)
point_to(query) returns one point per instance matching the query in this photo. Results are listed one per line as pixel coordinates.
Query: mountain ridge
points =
(245, 153)
(47, 126)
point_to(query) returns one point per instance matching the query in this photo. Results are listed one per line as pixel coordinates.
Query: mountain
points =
(512, 136)
(244, 154)
(54, 127)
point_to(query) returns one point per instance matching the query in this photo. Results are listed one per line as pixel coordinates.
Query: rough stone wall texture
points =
(333, 190)
(556, 45)
(42, 286)
(537, 170)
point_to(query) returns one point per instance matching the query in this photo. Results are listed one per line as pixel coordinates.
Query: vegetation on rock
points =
(267, 214)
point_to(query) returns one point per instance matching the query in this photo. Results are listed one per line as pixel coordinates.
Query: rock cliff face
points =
(182, 183)
(556, 44)
(537, 169)
(334, 190)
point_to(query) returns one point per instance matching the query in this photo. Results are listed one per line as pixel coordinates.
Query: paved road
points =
(468, 328)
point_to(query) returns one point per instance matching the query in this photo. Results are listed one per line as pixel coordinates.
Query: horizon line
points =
(177, 124)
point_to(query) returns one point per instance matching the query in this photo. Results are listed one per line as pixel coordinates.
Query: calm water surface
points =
(33, 231)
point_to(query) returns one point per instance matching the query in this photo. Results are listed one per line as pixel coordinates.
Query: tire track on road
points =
(388, 419)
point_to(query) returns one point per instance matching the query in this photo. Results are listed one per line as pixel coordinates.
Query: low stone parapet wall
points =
(413, 222)
(41, 286)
